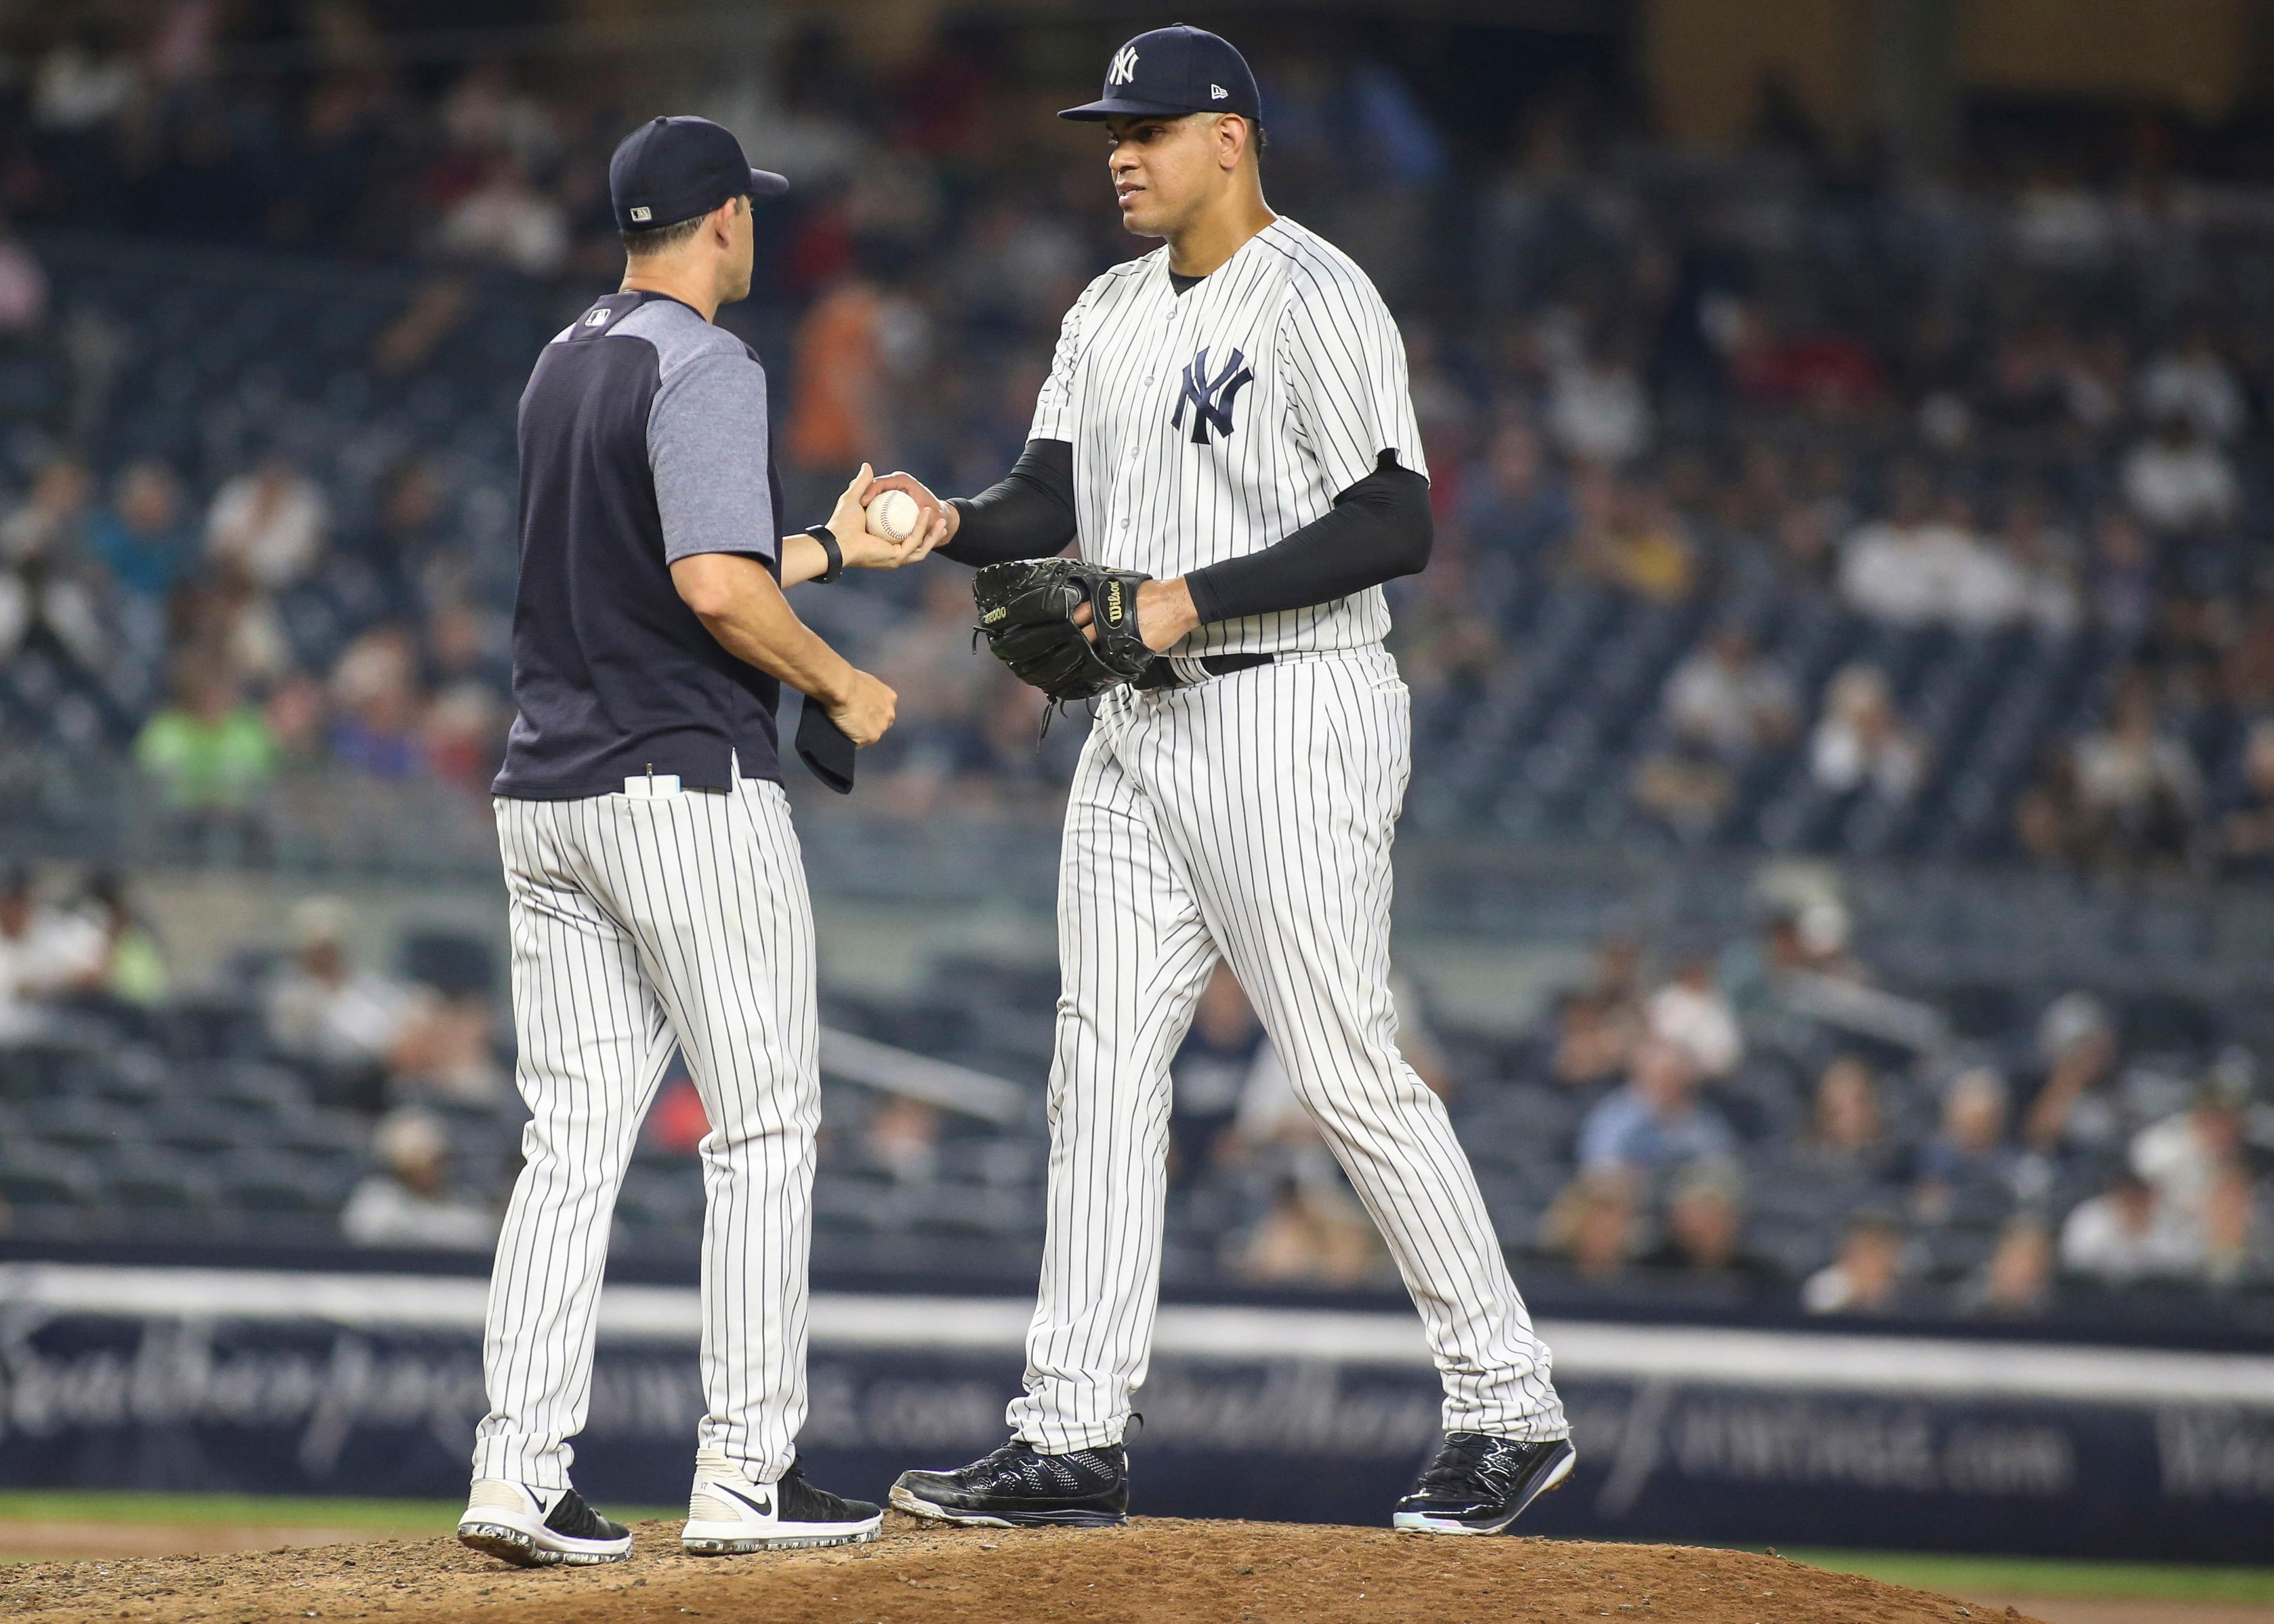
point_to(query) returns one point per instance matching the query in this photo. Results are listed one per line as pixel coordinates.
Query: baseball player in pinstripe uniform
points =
(655, 890)
(1229, 417)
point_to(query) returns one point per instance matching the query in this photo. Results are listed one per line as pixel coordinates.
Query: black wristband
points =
(830, 550)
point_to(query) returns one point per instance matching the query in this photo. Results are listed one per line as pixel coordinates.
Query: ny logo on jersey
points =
(1124, 68)
(1211, 399)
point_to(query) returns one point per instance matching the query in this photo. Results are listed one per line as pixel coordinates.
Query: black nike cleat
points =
(728, 1513)
(1480, 1484)
(511, 1522)
(1018, 1486)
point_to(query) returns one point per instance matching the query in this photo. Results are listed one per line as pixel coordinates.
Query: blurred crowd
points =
(1778, 505)
(1750, 1123)
(2010, 435)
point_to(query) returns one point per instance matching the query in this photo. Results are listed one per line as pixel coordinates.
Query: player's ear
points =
(1231, 139)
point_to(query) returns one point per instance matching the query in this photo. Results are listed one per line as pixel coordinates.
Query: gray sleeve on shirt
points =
(706, 444)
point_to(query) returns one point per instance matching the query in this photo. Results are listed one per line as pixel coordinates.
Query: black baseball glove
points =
(1025, 613)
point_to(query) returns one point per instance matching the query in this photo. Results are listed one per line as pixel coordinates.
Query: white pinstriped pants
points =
(639, 924)
(1249, 817)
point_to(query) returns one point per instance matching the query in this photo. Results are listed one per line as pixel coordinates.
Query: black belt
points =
(1160, 673)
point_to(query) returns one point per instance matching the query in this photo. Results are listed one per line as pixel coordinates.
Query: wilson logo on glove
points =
(1026, 612)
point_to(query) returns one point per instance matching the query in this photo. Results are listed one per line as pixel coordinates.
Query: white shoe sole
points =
(528, 1543)
(1421, 1523)
(737, 1538)
(902, 1500)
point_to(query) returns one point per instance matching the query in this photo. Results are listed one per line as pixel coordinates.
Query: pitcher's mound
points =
(1157, 1571)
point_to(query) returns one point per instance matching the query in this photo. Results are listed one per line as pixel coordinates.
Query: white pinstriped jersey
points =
(1214, 423)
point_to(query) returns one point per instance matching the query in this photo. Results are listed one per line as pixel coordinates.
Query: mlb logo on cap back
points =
(671, 169)
(1174, 72)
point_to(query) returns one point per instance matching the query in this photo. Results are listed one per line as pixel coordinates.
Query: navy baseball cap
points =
(1176, 70)
(671, 169)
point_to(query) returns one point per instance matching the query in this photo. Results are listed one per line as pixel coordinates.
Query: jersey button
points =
(1149, 380)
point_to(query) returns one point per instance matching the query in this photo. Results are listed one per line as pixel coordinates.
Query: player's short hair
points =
(658, 239)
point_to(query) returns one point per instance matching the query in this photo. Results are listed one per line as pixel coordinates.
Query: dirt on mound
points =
(1152, 1570)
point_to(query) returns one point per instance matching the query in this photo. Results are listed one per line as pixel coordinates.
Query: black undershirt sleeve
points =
(1378, 530)
(1028, 515)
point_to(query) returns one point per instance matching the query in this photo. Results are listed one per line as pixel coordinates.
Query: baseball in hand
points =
(892, 516)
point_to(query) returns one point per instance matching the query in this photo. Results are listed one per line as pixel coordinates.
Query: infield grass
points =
(2025, 1575)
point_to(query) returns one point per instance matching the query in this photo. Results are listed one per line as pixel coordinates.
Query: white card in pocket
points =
(652, 785)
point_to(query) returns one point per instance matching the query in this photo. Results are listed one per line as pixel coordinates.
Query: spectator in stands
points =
(2017, 1281)
(1593, 1222)
(2124, 578)
(2042, 559)
(2073, 1107)
(1598, 409)
(836, 403)
(1310, 1235)
(1846, 1139)
(1592, 1043)
(1861, 745)
(376, 700)
(2139, 792)
(224, 616)
(1968, 1175)
(134, 961)
(407, 1203)
(677, 1123)
(1448, 644)
(271, 522)
(2128, 1233)
(1705, 1224)
(210, 753)
(1517, 506)
(48, 581)
(1692, 1012)
(1723, 706)
(1911, 567)
(1210, 1073)
(1654, 1121)
(323, 1009)
(141, 538)
(445, 1050)
(2178, 481)
(902, 1140)
(505, 220)
(1626, 535)
(46, 952)
(2193, 382)
(23, 286)
(2245, 826)
(1726, 699)
(1867, 1276)
(2190, 1155)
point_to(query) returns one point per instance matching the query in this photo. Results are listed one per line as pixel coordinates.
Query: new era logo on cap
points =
(1172, 72)
(642, 212)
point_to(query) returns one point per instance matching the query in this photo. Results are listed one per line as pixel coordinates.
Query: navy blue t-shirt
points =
(642, 440)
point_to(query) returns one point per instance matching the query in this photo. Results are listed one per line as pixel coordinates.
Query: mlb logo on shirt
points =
(641, 212)
(599, 317)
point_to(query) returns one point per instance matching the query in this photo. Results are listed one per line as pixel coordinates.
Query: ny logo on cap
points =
(1211, 399)
(1124, 68)
(641, 211)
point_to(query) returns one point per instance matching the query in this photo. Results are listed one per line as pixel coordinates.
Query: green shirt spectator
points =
(210, 752)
